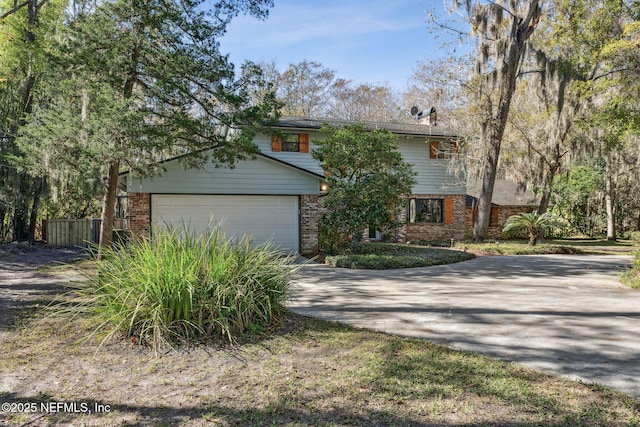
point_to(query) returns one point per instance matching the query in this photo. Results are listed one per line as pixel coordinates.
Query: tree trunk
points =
(483, 216)
(4, 230)
(509, 59)
(108, 208)
(21, 224)
(21, 207)
(39, 184)
(545, 199)
(609, 198)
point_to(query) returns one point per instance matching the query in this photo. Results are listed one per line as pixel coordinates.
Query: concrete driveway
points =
(566, 315)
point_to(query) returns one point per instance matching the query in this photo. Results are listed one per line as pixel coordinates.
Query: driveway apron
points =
(567, 315)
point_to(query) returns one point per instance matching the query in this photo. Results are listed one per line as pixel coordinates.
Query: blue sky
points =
(372, 41)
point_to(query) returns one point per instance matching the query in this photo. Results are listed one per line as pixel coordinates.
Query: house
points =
(508, 199)
(278, 195)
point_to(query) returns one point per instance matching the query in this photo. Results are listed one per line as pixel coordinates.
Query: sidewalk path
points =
(562, 314)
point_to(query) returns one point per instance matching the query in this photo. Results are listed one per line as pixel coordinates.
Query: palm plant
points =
(534, 223)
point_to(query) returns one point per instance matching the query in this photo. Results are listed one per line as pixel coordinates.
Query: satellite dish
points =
(414, 110)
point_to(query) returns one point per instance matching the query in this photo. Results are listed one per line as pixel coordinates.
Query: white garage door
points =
(265, 218)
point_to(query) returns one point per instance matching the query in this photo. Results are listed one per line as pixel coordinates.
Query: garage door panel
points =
(262, 218)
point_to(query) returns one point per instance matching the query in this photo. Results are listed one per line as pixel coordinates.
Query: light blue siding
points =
(433, 174)
(259, 176)
(301, 160)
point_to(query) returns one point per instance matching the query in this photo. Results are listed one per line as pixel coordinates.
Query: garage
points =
(264, 218)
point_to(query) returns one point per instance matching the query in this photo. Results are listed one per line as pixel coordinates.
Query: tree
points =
(26, 31)
(536, 224)
(503, 29)
(364, 102)
(439, 84)
(147, 80)
(578, 198)
(539, 133)
(368, 181)
(305, 89)
(604, 38)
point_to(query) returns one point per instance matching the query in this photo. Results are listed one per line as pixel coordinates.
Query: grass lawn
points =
(305, 372)
(559, 246)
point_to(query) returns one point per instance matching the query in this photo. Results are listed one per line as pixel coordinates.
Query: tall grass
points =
(178, 287)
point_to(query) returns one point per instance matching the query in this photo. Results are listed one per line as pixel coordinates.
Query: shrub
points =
(533, 223)
(632, 277)
(179, 287)
(383, 256)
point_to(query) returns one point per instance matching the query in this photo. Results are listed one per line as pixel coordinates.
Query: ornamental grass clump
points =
(177, 288)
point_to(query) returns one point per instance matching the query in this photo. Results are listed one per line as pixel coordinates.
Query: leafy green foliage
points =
(632, 277)
(26, 37)
(367, 181)
(533, 222)
(180, 287)
(577, 197)
(134, 82)
(172, 88)
(520, 248)
(384, 256)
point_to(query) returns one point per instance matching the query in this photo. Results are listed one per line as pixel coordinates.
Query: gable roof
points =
(505, 193)
(397, 128)
(307, 123)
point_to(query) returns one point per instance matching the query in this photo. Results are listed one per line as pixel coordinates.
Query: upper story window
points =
(292, 142)
(442, 149)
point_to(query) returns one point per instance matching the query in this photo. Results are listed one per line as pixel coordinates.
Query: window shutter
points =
(304, 142)
(448, 210)
(276, 143)
(433, 149)
(493, 218)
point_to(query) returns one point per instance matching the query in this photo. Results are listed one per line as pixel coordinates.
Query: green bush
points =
(178, 287)
(383, 256)
(632, 277)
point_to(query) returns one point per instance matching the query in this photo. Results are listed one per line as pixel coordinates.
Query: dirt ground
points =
(294, 375)
(48, 378)
(22, 289)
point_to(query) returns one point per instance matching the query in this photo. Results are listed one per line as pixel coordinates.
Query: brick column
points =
(400, 232)
(309, 231)
(140, 214)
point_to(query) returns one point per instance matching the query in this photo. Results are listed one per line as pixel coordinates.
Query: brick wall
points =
(436, 231)
(499, 219)
(140, 214)
(309, 217)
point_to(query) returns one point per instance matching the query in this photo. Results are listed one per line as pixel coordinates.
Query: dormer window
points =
(291, 142)
(442, 149)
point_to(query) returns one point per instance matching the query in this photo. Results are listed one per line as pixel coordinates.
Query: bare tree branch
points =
(16, 7)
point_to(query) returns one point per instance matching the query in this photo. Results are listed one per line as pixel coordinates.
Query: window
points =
(442, 149)
(426, 210)
(291, 142)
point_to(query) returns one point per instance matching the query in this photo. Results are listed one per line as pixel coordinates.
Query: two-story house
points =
(278, 195)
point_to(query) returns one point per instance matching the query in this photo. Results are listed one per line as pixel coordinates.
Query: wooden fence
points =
(80, 232)
(72, 232)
